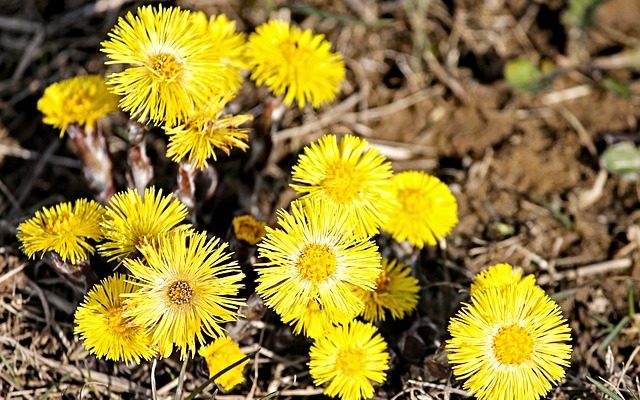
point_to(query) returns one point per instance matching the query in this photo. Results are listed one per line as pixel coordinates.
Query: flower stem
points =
(80, 275)
(140, 164)
(91, 147)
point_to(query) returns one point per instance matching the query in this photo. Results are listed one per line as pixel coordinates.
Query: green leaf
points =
(622, 159)
(617, 87)
(581, 13)
(523, 75)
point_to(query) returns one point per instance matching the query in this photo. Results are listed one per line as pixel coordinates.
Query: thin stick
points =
(154, 392)
(183, 370)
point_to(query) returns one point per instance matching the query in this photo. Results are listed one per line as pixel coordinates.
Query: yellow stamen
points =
(512, 345)
(165, 66)
(317, 262)
(350, 361)
(180, 293)
(343, 183)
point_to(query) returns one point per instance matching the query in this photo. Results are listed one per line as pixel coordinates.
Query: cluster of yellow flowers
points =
(180, 285)
(320, 270)
(510, 341)
(323, 269)
(182, 68)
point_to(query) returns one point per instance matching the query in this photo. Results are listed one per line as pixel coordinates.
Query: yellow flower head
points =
(81, 100)
(350, 358)
(296, 62)
(314, 256)
(64, 229)
(349, 176)
(249, 229)
(131, 220)
(396, 291)
(426, 210)
(227, 45)
(219, 355)
(188, 286)
(104, 329)
(510, 342)
(173, 69)
(205, 131)
(500, 275)
(311, 319)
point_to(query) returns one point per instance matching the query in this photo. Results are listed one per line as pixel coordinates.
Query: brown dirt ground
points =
(524, 168)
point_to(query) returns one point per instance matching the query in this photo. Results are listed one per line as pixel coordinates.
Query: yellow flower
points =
(314, 256)
(188, 287)
(173, 69)
(348, 176)
(396, 291)
(219, 355)
(131, 220)
(500, 275)
(81, 100)
(426, 210)
(227, 45)
(510, 342)
(249, 229)
(64, 229)
(104, 329)
(204, 132)
(296, 62)
(311, 319)
(350, 358)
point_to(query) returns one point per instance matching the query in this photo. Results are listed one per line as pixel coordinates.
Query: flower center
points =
(316, 263)
(292, 52)
(512, 345)
(60, 225)
(343, 183)
(382, 282)
(350, 361)
(413, 201)
(180, 292)
(165, 66)
(116, 323)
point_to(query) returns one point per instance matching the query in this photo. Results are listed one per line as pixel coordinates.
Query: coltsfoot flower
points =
(396, 290)
(315, 256)
(349, 176)
(80, 100)
(426, 210)
(202, 133)
(219, 355)
(509, 342)
(187, 287)
(248, 229)
(349, 358)
(64, 229)
(103, 328)
(172, 69)
(132, 220)
(500, 275)
(294, 63)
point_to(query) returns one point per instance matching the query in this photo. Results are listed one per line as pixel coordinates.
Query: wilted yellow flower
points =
(509, 343)
(500, 275)
(349, 176)
(349, 358)
(227, 45)
(207, 130)
(64, 229)
(219, 355)
(188, 286)
(295, 63)
(314, 256)
(80, 100)
(173, 68)
(396, 291)
(426, 210)
(131, 220)
(104, 329)
(249, 229)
